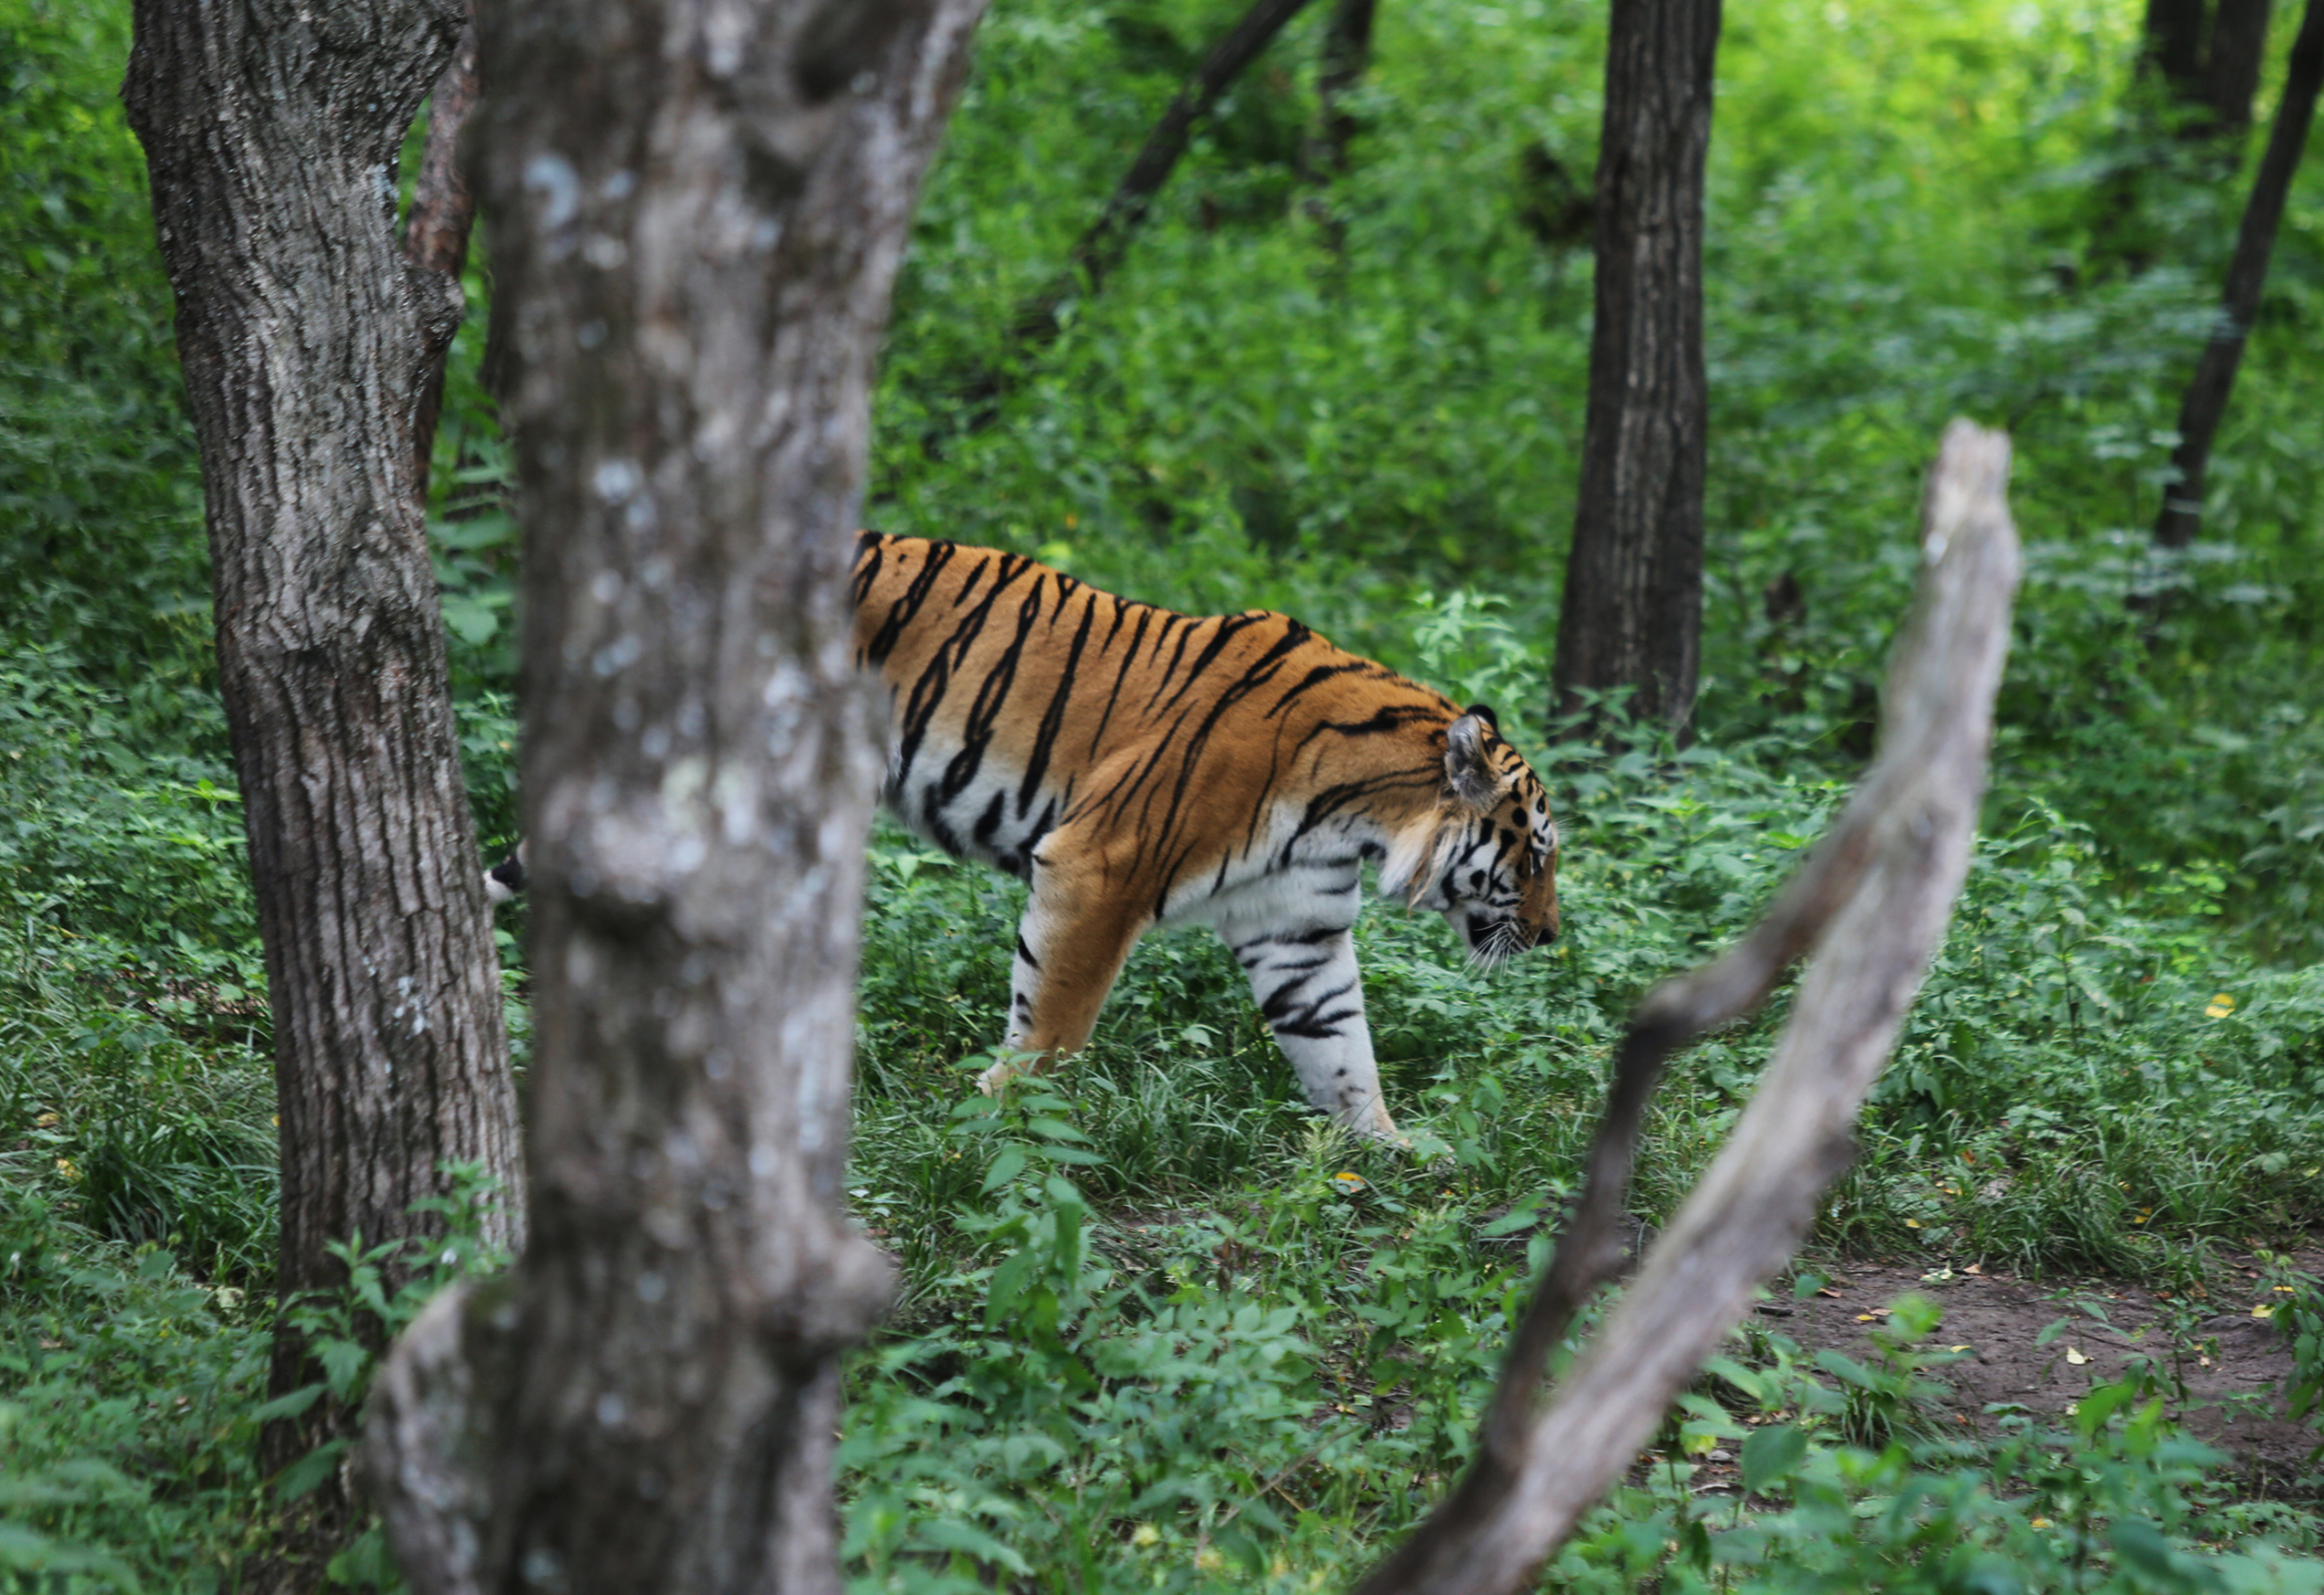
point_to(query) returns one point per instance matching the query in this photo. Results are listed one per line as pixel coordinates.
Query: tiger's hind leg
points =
(1311, 995)
(1069, 949)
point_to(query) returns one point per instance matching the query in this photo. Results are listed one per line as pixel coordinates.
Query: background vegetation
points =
(1161, 1330)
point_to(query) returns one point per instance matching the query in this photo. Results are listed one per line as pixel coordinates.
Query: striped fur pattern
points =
(1139, 767)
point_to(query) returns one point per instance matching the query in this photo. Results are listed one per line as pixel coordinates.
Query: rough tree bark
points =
(2214, 378)
(699, 208)
(443, 211)
(1872, 902)
(1633, 607)
(271, 130)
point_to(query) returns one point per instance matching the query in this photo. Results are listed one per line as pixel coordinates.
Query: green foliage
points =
(129, 1402)
(100, 500)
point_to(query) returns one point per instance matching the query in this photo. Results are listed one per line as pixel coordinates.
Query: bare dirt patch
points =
(2231, 1362)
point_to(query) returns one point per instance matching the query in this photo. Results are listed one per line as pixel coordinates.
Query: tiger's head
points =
(1486, 857)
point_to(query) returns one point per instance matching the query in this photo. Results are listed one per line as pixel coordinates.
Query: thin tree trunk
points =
(700, 206)
(436, 233)
(1633, 606)
(1347, 55)
(2214, 378)
(1102, 244)
(304, 333)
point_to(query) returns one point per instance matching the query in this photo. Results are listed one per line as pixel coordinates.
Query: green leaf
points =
(1524, 1216)
(311, 1469)
(1007, 1166)
(1770, 1455)
(290, 1405)
(951, 1534)
(2092, 1412)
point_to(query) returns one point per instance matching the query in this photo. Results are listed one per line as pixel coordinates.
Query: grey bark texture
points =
(1632, 612)
(271, 131)
(699, 207)
(1872, 902)
(2214, 378)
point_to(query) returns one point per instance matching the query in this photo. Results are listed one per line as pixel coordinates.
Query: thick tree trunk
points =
(700, 206)
(2207, 58)
(2214, 378)
(443, 210)
(271, 130)
(1633, 607)
(2199, 63)
(2232, 63)
(2171, 45)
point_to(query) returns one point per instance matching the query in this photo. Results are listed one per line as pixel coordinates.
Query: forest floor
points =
(2229, 1360)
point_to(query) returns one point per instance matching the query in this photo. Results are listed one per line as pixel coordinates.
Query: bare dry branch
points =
(1872, 899)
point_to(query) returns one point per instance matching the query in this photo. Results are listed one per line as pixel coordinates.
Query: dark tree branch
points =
(435, 231)
(2214, 378)
(1872, 901)
(1102, 246)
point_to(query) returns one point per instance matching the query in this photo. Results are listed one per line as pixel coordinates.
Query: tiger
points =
(1140, 769)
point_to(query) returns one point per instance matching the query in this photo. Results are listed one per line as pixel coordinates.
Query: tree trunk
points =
(699, 209)
(444, 210)
(2214, 378)
(1633, 607)
(1347, 53)
(2207, 58)
(271, 131)
(2232, 63)
(2199, 65)
(2171, 46)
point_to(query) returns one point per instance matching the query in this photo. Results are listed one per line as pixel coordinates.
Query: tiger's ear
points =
(1468, 774)
(1484, 713)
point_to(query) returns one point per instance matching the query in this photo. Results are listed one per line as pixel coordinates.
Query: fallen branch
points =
(1872, 901)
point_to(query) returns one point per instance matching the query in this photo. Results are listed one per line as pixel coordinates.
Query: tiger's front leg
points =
(1071, 946)
(1311, 995)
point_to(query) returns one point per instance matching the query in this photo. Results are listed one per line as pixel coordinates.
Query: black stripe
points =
(1052, 718)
